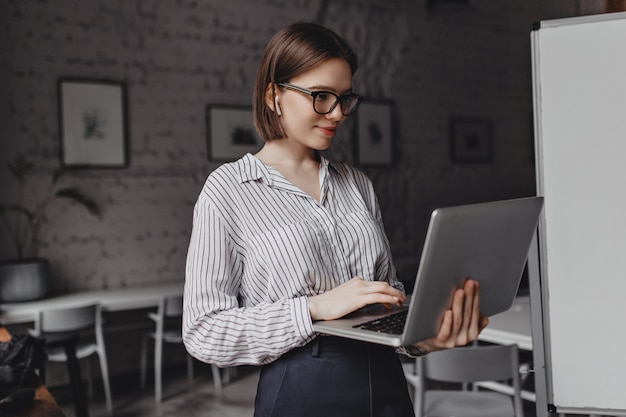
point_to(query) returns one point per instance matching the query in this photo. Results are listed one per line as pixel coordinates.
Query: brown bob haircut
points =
(292, 51)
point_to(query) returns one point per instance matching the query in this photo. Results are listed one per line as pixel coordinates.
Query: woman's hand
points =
(351, 296)
(462, 323)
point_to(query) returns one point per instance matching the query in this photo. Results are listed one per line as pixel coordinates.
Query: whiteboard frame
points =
(538, 272)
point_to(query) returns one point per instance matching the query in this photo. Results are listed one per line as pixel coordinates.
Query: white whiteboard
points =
(579, 79)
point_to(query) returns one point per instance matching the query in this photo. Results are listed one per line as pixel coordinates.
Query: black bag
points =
(20, 358)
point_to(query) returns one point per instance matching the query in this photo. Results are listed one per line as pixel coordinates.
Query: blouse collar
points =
(252, 169)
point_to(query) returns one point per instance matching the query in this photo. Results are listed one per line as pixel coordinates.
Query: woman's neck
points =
(299, 167)
(281, 152)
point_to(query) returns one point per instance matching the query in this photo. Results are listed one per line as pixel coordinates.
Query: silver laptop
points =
(488, 242)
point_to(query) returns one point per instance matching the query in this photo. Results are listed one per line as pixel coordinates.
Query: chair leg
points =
(104, 370)
(73, 366)
(228, 374)
(158, 361)
(217, 379)
(144, 361)
(88, 372)
(189, 370)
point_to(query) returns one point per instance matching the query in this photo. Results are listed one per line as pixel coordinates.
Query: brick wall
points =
(178, 56)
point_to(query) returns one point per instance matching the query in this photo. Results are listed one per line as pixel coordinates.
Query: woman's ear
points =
(271, 99)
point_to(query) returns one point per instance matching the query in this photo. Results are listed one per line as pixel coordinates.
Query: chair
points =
(61, 326)
(168, 320)
(468, 366)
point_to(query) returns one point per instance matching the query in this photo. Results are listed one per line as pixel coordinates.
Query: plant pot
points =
(23, 279)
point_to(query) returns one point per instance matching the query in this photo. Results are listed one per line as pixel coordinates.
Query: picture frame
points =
(230, 132)
(93, 123)
(374, 133)
(471, 140)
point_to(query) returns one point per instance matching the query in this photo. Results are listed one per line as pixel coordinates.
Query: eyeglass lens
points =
(325, 102)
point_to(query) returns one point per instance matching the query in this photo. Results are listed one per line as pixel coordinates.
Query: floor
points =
(202, 399)
(235, 399)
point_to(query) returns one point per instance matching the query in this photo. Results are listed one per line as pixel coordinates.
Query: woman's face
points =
(300, 121)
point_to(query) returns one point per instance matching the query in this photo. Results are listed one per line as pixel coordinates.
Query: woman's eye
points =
(323, 96)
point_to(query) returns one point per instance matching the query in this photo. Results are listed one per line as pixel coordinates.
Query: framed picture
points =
(230, 132)
(374, 133)
(470, 140)
(93, 123)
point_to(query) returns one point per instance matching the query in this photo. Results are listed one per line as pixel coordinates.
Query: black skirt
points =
(333, 376)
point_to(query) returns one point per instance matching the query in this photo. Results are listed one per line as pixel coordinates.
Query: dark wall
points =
(177, 57)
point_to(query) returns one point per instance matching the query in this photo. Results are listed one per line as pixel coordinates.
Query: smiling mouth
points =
(330, 131)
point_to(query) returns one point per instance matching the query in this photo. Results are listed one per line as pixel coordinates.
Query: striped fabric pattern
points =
(260, 246)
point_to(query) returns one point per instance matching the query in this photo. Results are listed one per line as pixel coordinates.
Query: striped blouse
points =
(260, 246)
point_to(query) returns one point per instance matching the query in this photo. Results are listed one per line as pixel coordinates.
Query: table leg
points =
(73, 367)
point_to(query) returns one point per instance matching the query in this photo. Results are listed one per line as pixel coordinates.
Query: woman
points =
(285, 237)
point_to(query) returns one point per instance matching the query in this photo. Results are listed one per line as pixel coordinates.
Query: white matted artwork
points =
(230, 132)
(92, 123)
(374, 133)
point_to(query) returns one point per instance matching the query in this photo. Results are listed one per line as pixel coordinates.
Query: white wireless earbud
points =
(278, 112)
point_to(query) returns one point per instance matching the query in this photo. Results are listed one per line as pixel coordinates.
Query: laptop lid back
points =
(488, 242)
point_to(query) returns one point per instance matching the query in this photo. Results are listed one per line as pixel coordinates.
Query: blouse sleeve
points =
(216, 329)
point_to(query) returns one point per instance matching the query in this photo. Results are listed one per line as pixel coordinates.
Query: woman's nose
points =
(336, 114)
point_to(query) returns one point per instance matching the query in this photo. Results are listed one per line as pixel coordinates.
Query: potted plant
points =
(26, 277)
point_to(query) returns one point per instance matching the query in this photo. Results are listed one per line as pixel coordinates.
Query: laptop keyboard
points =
(392, 324)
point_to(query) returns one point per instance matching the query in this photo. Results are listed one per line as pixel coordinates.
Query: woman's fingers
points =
(462, 323)
(458, 309)
(466, 314)
(375, 292)
(446, 330)
(468, 330)
(475, 323)
(351, 296)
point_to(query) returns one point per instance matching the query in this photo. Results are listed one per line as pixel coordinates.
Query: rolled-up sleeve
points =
(216, 328)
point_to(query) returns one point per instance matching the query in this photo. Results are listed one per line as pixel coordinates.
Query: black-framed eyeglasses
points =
(325, 101)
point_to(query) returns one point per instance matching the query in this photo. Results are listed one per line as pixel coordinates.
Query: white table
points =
(116, 299)
(512, 326)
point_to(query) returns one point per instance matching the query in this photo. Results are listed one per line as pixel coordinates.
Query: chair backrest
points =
(173, 306)
(472, 364)
(170, 310)
(67, 319)
(168, 307)
(469, 365)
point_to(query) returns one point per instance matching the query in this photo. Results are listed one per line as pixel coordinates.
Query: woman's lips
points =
(328, 130)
